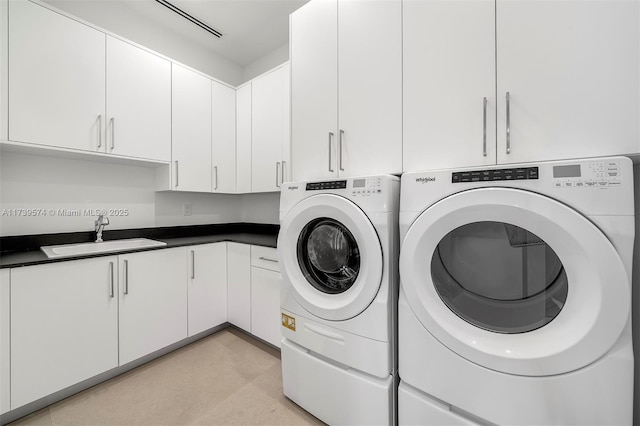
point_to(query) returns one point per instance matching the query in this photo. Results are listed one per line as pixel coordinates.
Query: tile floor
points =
(227, 378)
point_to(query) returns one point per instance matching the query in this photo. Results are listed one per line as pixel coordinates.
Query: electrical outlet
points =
(187, 209)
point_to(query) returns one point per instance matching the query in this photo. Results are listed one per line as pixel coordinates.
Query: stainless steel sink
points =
(81, 249)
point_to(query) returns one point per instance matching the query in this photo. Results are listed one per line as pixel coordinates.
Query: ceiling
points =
(251, 28)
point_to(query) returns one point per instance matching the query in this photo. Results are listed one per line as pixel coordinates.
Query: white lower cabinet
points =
(207, 287)
(239, 285)
(64, 325)
(5, 342)
(265, 294)
(153, 301)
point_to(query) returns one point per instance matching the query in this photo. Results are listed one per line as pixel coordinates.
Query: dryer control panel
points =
(594, 174)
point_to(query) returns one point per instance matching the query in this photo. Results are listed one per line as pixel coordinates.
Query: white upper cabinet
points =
(448, 75)
(243, 138)
(267, 130)
(57, 79)
(138, 120)
(314, 89)
(191, 131)
(570, 69)
(346, 88)
(223, 139)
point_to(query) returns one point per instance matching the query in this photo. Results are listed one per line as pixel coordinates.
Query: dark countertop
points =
(25, 250)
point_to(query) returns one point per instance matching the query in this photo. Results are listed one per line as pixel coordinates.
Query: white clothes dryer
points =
(338, 253)
(515, 298)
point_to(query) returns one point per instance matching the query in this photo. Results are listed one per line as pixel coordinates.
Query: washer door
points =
(515, 281)
(331, 257)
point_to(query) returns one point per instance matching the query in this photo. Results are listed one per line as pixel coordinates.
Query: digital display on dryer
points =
(570, 171)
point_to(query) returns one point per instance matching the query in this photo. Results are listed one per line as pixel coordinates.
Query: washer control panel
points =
(595, 174)
(356, 186)
(517, 173)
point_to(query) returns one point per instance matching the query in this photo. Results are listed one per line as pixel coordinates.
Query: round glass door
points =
(499, 277)
(328, 255)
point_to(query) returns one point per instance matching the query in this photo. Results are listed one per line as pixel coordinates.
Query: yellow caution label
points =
(289, 322)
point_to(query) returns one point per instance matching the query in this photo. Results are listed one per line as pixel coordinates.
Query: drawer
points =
(265, 257)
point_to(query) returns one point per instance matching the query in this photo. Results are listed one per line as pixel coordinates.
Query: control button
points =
(580, 184)
(568, 184)
(532, 173)
(615, 183)
(603, 183)
(455, 177)
(590, 183)
(558, 184)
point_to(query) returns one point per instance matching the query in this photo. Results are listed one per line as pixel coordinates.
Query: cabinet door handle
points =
(126, 277)
(284, 170)
(176, 173)
(99, 130)
(111, 280)
(330, 162)
(215, 169)
(193, 264)
(340, 157)
(277, 173)
(113, 133)
(484, 127)
(508, 124)
(267, 259)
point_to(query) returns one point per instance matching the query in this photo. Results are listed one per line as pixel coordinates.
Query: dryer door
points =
(331, 257)
(515, 281)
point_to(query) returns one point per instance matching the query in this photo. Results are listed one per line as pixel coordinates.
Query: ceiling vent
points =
(190, 18)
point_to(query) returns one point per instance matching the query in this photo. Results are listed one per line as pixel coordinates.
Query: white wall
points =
(261, 208)
(126, 22)
(267, 62)
(65, 188)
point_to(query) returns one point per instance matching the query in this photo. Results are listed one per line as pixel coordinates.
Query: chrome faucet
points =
(100, 224)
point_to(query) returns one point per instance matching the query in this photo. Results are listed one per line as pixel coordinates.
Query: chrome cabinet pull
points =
(111, 279)
(176, 173)
(330, 139)
(215, 168)
(193, 264)
(267, 259)
(277, 172)
(484, 127)
(126, 277)
(508, 125)
(99, 130)
(284, 169)
(113, 133)
(340, 157)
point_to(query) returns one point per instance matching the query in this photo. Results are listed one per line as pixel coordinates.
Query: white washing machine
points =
(515, 295)
(338, 252)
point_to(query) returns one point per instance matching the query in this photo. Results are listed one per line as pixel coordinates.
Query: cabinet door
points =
(286, 123)
(369, 87)
(314, 89)
(207, 287)
(243, 138)
(5, 341)
(64, 325)
(191, 130)
(571, 70)
(223, 140)
(153, 301)
(239, 285)
(447, 75)
(138, 102)
(267, 131)
(265, 305)
(56, 79)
